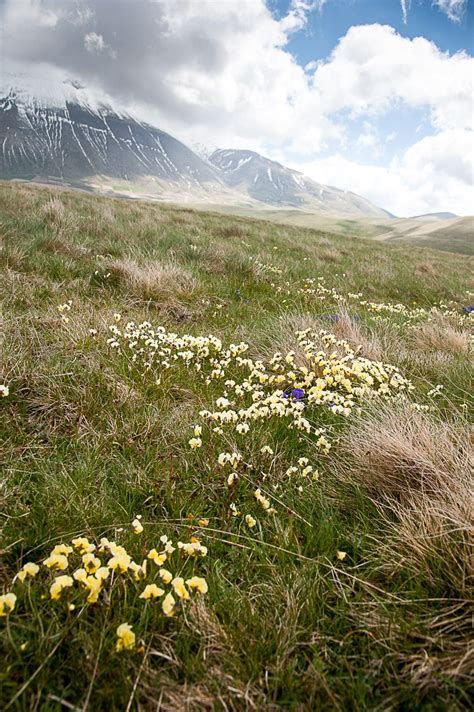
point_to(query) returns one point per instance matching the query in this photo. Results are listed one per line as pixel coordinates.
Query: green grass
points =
(89, 443)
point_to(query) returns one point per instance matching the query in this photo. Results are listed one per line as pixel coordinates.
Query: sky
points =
(373, 96)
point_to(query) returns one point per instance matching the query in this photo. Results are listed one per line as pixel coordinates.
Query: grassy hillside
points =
(456, 235)
(236, 463)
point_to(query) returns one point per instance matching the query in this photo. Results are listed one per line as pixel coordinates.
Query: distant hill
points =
(436, 216)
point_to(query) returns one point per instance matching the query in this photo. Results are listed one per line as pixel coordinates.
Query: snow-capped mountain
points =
(74, 136)
(270, 182)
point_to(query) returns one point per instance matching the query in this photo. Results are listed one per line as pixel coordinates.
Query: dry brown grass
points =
(58, 217)
(419, 472)
(153, 280)
(281, 335)
(230, 231)
(440, 334)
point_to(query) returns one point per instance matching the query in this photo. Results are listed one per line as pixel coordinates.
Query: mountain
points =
(72, 136)
(436, 216)
(269, 182)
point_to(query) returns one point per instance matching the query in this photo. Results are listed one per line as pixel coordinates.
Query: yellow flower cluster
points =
(91, 569)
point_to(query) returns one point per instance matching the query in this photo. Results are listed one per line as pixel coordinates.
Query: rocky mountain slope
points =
(269, 182)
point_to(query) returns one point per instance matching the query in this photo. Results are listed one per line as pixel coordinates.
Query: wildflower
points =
(58, 585)
(242, 428)
(62, 549)
(29, 569)
(179, 588)
(4, 390)
(341, 555)
(7, 603)
(193, 548)
(80, 575)
(203, 522)
(250, 521)
(158, 559)
(83, 545)
(168, 605)
(195, 582)
(197, 430)
(94, 586)
(195, 443)
(139, 572)
(102, 573)
(165, 575)
(91, 563)
(266, 450)
(117, 317)
(231, 478)
(151, 591)
(119, 563)
(233, 510)
(57, 562)
(125, 638)
(137, 526)
(261, 499)
(298, 393)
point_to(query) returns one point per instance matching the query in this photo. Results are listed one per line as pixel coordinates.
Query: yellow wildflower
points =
(203, 522)
(57, 562)
(58, 585)
(165, 575)
(151, 591)
(168, 605)
(139, 572)
(195, 582)
(91, 563)
(94, 586)
(195, 443)
(158, 559)
(80, 575)
(341, 555)
(7, 603)
(28, 569)
(119, 563)
(83, 545)
(179, 588)
(137, 526)
(102, 573)
(125, 638)
(62, 549)
(250, 521)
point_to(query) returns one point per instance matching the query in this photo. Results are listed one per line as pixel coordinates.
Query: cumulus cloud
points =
(222, 73)
(436, 173)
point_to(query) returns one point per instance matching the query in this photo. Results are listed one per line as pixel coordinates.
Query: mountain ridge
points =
(71, 135)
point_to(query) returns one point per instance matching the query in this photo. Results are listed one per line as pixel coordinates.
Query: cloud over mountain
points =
(223, 73)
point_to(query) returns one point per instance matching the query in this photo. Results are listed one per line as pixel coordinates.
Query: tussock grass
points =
(440, 335)
(153, 280)
(420, 472)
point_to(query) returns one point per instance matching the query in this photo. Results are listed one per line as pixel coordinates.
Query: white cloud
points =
(373, 68)
(436, 173)
(454, 9)
(405, 4)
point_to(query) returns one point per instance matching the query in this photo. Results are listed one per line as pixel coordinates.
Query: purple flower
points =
(298, 393)
(468, 310)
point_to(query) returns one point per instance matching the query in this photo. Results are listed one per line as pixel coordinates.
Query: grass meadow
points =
(236, 463)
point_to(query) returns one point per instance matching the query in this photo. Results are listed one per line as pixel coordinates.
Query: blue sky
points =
(373, 96)
(326, 26)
